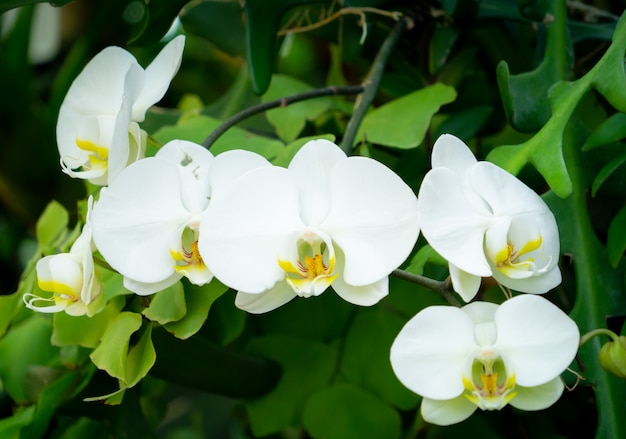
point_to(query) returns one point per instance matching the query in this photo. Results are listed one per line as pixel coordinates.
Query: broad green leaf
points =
(197, 128)
(606, 172)
(365, 360)
(611, 130)
(616, 239)
(219, 23)
(168, 305)
(308, 367)
(403, 122)
(141, 358)
(225, 322)
(525, 95)
(82, 330)
(345, 411)
(441, 44)
(199, 300)
(51, 224)
(8, 306)
(262, 24)
(112, 353)
(608, 74)
(11, 426)
(23, 346)
(290, 121)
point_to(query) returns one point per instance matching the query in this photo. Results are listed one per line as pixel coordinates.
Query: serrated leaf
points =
(51, 224)
(168, 305)
(199, 300)
(290, 121)
(616, 239)
(345, 411)
(403, 122)
(307, 365)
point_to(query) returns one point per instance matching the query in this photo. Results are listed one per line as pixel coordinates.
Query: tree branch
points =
(441, 287)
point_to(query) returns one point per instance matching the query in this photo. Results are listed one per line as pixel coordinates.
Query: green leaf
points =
(168, 305)
(616, 239)
(8, 307)
(606, 172)
(308, 366)
(441, 44)
(197, 128)
(365, 360)
(141, 358)
(262, 24)
(25, 345)
(219, 23)
(290, 121)
(608, 73)
(82, 330)
(425, 255)
(199, 300)
(11, 426)
(156, 21)
(51, 224)
(112, 353)
(286, 154)
(611, 130)
(403, 122)
(466, 123)
(345, 411)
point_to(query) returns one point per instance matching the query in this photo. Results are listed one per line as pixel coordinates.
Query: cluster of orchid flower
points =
(274, 233)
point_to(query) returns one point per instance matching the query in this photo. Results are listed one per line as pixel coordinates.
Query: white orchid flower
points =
(97, 130)
(326, 220)
(486, 222)
(485, 356)
(71, 277)
(146, 224)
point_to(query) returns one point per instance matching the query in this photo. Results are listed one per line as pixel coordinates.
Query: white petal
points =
(97, 91)
(450, 152)
(193, 163)
(464, 283)
(447, 412)
(245, 230)
(146, 289)
(372, 218)
(535, 285)
(139, 218)
(230, 165)
(536, 337)
(364, 295)
(538, 397)
(311, 168)
(158, 76)
(61, 273)
(119, 148)
(452, 225)
(481, 312)
(430, 353)
(269, 300)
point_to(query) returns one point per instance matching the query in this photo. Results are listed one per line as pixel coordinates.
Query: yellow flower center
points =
(489, 386)
(98, 157)
(310, 275)
(509, 258)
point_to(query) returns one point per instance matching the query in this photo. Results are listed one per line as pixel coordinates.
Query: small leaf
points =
(8, 307)
(611, 130)
(141, 358)
(345, 411)
(51, 224)
(403, 122)
(199, 301)
(290, 121)
(616, 239)
(168, 305)
(466, 123)
(606, 172)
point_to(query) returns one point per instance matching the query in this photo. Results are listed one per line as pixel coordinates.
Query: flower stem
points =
(600, 331)
(441, 287)
(283, 102)
(372, 82)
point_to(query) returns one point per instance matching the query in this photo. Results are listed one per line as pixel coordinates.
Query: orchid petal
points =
(450, 152)
(138, 219)
(193, 163)
(464, 283)
(534, 285)
(430, 353)
(246, 229)
(372, 218)
(311, 168)
(451, 224)
(60, 273)
(230, 165)
(146, 289)
(538, 397)
(269, 300)
(536, 337)
(447, 412)
(363, 295)
(158, 76)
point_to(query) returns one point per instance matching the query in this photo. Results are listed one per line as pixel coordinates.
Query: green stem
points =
(371, 83)
(600, 331)
(283, 102)
(441, 287)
